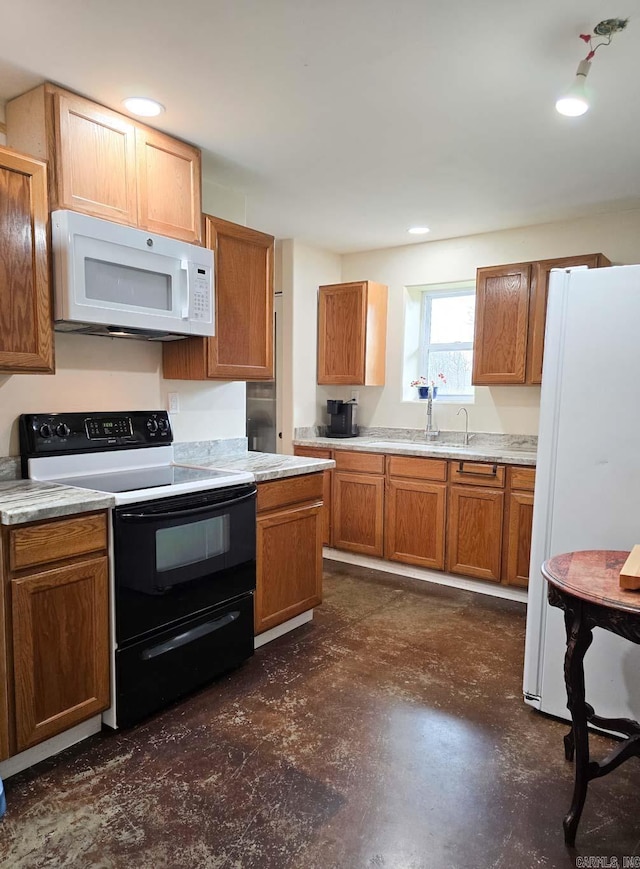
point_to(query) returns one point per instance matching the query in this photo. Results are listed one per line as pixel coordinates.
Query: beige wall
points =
(117, 374)
(304, 269)
(499, 409)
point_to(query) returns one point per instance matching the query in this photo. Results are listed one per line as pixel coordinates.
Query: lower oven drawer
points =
(153, 673)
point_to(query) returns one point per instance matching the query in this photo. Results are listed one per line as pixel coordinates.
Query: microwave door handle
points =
(184, 514)
(184, 265)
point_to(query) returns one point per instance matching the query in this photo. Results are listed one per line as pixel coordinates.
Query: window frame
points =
(425, 346)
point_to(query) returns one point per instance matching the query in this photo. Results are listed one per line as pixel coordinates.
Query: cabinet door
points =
(415, 523)
(288, 564)
(538, 310)
(502, 317)
(475, 532)
(519, 538)
(169, 183)
(342, 319)
(242, 348)
(60, 649)
(95, 159)
(358, 512)
(26, 336)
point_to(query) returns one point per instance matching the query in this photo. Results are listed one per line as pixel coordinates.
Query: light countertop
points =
(264, 466)
(32, 501)
(508, 454)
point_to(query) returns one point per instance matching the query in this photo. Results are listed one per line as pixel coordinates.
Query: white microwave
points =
(119, 281)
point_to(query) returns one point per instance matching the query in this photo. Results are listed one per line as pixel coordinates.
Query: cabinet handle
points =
(493, 473)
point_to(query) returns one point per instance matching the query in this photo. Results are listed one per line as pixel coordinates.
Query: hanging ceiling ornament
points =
(575, 101)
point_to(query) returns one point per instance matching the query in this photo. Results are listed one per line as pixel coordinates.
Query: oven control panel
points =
(57, 433)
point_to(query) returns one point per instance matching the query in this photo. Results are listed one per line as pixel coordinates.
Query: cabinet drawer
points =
(366, 463)
(293, 490)
(312, 452)
(32, 545)
(478, 474)
(523, 478)
(417, 469)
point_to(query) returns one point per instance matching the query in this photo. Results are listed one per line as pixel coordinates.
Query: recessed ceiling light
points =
(419, 230)
(142, 106)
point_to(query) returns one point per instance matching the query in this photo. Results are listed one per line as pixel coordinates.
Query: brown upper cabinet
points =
(352, 333)
(511, 311)
(242, 348)
(106, 165)
(26, 336)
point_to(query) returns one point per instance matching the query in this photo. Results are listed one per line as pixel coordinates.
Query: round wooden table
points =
(586, 586)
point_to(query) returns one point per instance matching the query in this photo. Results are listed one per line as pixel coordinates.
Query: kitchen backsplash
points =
(9, 468)
(416, 435)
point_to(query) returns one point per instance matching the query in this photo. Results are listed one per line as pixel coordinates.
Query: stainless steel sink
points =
(453, 448)
(394, 445)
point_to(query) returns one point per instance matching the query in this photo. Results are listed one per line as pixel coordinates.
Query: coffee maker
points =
(343, 418)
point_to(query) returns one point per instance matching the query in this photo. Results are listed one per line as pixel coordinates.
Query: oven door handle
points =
(189, 636)
(184, 514)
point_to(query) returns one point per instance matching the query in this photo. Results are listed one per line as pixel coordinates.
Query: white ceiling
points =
(347, 121)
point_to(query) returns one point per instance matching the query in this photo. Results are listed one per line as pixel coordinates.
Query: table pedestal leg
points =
(579, 639)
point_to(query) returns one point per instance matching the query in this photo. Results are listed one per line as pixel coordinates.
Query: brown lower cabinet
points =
(466, 517)
(415, 511)
(55, 654)
(474, 532)
(358, 502)
(518, 523)
(288, 549)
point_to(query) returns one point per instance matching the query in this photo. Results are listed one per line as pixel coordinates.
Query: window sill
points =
(449, 399)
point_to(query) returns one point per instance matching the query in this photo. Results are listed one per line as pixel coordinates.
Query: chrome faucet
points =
(467, 436)
(430, 432)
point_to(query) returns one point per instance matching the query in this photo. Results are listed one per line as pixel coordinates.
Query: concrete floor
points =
(389, 732)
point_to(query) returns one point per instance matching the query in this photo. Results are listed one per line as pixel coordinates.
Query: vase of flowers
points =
(426, 389)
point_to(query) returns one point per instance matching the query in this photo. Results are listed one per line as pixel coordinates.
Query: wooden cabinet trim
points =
(313, 452)
(417, 468)
(46, 542)
(367, 463)
(478, 473)
(522, 478)
(274, 494)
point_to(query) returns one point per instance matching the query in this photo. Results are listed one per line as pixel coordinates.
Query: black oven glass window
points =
(192, 542)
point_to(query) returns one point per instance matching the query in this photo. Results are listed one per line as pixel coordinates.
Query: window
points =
(439, 322)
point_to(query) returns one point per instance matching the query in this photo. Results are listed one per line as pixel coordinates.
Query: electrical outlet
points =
(173, 404)
(355, 395)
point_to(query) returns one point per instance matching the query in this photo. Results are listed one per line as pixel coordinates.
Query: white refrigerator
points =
(587, 493)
